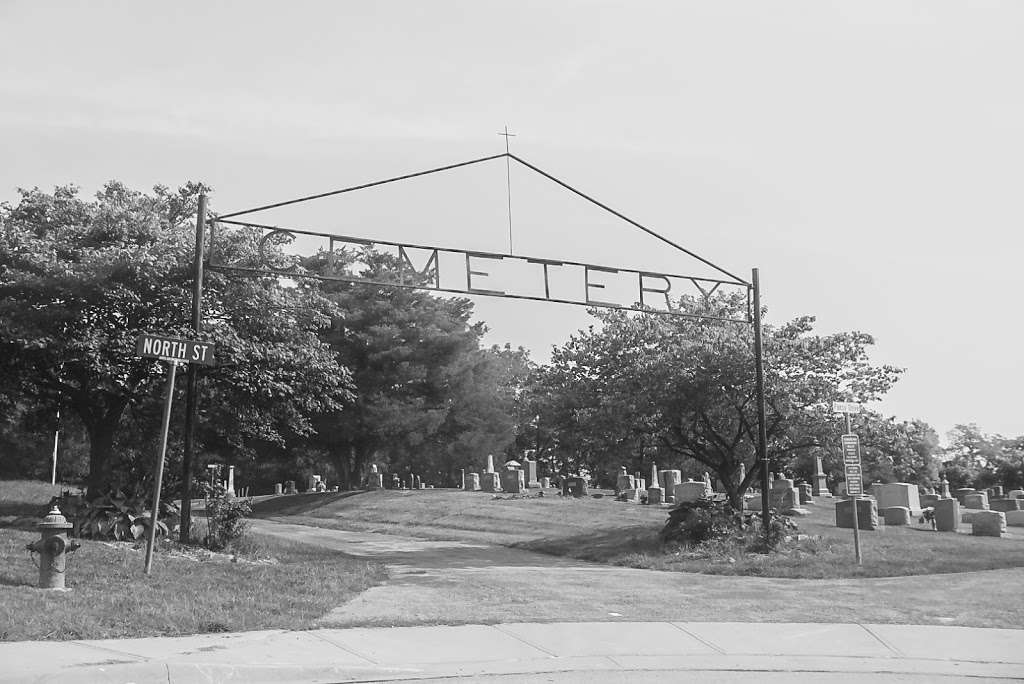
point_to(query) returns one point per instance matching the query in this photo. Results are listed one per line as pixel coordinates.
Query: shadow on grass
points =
(299, 504)
(599, 547)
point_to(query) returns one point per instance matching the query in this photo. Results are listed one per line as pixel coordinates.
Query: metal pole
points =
(191, 392)
(853, 500)
(762, 430)
(168, 398)
(56, 436)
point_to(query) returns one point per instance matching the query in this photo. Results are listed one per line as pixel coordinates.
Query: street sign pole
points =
(854, 498)
(168, 398)
(191, 392)
(762, 434)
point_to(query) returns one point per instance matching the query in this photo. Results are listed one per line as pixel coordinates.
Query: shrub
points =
(226, 517)
(116, 516)
(709, 521)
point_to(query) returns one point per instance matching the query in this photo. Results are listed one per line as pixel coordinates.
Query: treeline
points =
(327, 377)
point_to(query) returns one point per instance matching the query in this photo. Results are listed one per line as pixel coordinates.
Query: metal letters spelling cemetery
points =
(467, 272)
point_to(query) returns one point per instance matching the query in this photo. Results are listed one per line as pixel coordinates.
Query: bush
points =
(226, 517)
(709, 521)
(116, 516)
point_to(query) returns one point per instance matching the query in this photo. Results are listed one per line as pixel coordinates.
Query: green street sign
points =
(174, 349)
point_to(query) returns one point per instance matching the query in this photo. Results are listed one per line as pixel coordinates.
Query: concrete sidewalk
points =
(523, 652)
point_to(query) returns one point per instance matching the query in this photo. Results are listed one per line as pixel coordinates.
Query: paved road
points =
(519, 617)
(451, 582)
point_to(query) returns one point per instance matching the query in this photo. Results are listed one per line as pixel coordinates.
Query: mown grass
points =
(270, 584)
(605, 531)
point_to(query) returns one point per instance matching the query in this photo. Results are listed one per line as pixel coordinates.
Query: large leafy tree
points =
(681, 390)
(428, 398)
(80, 280)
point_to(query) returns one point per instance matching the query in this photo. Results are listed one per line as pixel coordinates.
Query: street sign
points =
(845, 407)
(853, 480)
(174, 349)
(851, 449)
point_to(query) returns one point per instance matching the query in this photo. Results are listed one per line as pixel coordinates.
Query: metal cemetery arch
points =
(646, 283)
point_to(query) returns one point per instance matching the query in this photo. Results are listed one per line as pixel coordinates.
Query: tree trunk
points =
(101, 456)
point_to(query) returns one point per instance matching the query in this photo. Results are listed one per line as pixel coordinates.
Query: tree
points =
(674, 388)
(79, 281)
(427, 397)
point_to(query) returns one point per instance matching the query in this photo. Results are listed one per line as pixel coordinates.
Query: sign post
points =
(852, 468)
(173, 351)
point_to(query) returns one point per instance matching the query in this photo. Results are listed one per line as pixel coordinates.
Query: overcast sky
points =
(868, 157)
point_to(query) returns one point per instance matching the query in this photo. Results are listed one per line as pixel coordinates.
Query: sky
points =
(864, 155)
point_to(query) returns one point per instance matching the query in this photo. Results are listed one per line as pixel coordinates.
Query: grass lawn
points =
(272, 585)
(606, 531)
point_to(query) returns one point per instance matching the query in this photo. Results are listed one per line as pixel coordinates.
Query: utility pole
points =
(762, 431)
(191, 398)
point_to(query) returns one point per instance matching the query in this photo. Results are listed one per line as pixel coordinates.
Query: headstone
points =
(231, 481)
(489, 482)
(928, 500)
(1005, 505)
(707, 481)
(1015, 494)
(896, 515)
(278, 488)
(490, 463)
(819, 485)
(631, 495)
(412, 481)
(574, 486)
(655, 496)
(513, 480)
(945, 489)
(624, 480)
(867, 514)
(783, 495)
(898, 494)
(690, 491)
(669, 480)
(805, 494)
(472, 482)
(290, 488)
(1014, 518)
(988, 524)
(376, 481)
(419, 482)
(997, 492)
(462, 478)
(530, 473)
(959, 494)
(751, 502)
(978, 501)
(545, 482)
(947, 515)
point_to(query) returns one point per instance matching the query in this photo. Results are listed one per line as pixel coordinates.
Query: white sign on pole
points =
(854, 482)
(845, 407)
(851, 449)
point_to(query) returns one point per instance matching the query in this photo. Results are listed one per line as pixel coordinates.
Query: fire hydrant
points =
(53, 547)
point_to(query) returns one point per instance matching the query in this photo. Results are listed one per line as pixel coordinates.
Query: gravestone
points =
(669, 480)
(290, 488)
(545, 482)
(1004, 505)
(947, 515)
(513, 480)
(490, 482)
(1014, 518)
(376, 481)
(898, 494)
(783, 495)
(530, 473)
(805, 494)
(928, 500)
(997, 492)
(896, 515)
(988, 524)
(624, 480)
(959, 494)
(690, 491)
(819, 485)
(574, 486)
(490, 464)
(945, 489)
(867, 514)
(472, 482)
(631, 495)
(655, 494)
(462, 478)
(278, 488)
(1015, 494)
(977, 502)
